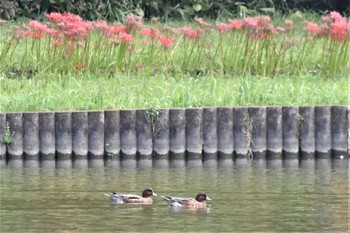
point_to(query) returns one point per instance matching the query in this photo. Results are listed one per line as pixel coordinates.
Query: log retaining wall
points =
(178, 136)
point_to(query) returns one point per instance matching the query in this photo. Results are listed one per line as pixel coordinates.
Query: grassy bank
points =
(67, 63)
(83, 92)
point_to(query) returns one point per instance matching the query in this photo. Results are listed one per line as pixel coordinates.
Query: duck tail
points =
(166, 198)
(108, 195)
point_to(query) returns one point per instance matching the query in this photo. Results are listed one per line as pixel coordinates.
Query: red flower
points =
(289, 24)
(56, 43)
(313, 28)
(201, 22)
(190, 32)
(165, 41)
(172, 30)
(235, 24)
(339, 31)
(251, 22)
(280, 29)
(115, 30)
(65, 17)
(259, 27)
(38, 29)
(336, 27)
(55, 17)
(72, 26)
(22, 32)
(133, 23)
(125, 37)
(222, 27)
(336, 17)
(150, 32)
(101, 25)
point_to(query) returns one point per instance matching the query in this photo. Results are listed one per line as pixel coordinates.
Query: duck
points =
(198, 202)
(121, 198)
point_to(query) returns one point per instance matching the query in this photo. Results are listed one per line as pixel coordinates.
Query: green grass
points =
(84, 92)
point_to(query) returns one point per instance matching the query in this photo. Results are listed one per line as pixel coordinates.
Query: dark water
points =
(247, 197)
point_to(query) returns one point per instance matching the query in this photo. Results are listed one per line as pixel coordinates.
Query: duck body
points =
(198, 202)
(121, 198)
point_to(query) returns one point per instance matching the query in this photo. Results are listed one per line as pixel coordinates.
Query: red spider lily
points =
(101, 25)
(72, 26)
(34, 29)
(133, 23)
(150, 32)
(38, 29)
(57, 43)
(259, 27)
(261, 23)
(222, 27)
(313, 28)
(171, 30)
(165, 41)
(289, 25)
(55, 17)
(265, 21)
(333, 16)
(125, 37)
(75, 30)
(23, 32)
(115, 30)
(251, 22)
(201, 22)
(336, 27)
(65, 17)
(336, 16)
(280, 29)
(190, 32)
(235, 24)
(145, 42)
(339, 31)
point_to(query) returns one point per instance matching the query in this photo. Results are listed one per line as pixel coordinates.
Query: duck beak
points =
(154, 194)
(208, 198)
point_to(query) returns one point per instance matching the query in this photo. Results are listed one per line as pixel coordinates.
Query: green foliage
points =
(7, 137)
(9, 9)
(153, 112)
(95, 9)
(165, 9)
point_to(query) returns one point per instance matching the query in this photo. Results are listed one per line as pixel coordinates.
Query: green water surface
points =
(245, 198)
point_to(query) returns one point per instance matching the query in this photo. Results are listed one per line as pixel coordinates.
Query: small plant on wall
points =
(7, 138)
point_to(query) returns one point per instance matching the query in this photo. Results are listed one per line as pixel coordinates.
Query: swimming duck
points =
(121, 198)
(198, 202)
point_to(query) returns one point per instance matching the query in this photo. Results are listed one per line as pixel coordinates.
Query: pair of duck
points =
(146, 199)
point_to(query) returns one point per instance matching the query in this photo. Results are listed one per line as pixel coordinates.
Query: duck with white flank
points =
(121, 198)
(198, 202)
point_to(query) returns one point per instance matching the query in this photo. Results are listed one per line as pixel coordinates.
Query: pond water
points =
(247, 197)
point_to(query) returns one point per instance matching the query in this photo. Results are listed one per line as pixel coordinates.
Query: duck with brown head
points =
(121, 198)
(198, 202)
